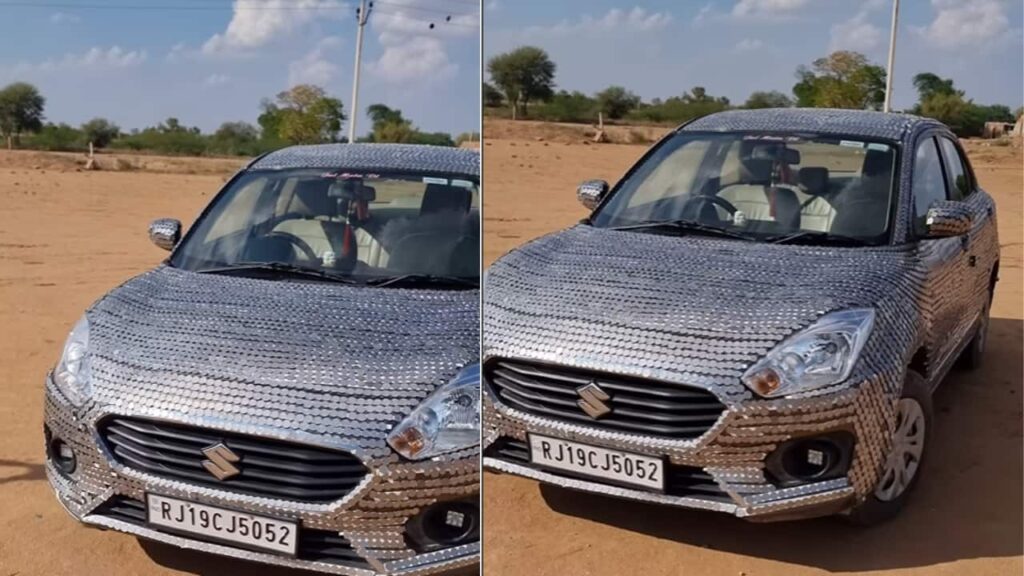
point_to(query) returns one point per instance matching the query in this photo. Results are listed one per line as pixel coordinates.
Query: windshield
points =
(763, 186)
(360, 226)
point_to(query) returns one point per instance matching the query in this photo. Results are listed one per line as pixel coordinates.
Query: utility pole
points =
(362, 15)
(887, 107)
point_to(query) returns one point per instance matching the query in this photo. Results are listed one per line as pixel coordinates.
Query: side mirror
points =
(591, 192)
(165, 233)
(947, 218)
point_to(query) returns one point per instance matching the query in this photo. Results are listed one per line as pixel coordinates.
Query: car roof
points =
(398, 157)
(864, 123)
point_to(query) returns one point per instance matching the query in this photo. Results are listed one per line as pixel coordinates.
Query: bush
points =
(56, 138)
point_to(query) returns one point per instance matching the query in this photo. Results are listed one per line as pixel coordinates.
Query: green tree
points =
(951, 109)
(100, 131)
(21, 110)
(772, 99)
(235, 138)
(928, 85)
(525, 74)
(842, 79)
(492, 96)
(305, 114)
(615, 101)
(566, 106)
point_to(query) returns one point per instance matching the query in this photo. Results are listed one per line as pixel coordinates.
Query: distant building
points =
(997, 129)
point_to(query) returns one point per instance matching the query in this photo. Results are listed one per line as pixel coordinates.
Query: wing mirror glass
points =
(591, 192)
(165, 233)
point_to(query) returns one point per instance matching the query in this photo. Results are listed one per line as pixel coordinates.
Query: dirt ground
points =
(965, 518)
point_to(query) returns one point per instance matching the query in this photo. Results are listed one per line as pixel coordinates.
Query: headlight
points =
(820, 355)
(448, 420)
(72, 372)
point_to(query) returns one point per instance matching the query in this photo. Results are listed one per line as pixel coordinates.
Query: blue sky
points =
(661, 48)
(210, 61)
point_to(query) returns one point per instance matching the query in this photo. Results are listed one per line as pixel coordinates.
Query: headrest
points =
(813, 180)
(443, 198)
(877, 163)
(311, 198)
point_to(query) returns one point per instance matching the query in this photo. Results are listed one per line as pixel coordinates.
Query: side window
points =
(928, 183)
(956, 174)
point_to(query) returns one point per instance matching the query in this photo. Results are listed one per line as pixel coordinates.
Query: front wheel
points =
(902, 466)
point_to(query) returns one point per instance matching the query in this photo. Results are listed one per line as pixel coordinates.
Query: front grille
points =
(268, 468)
(688, 481)
(313, 545)
(648, 407)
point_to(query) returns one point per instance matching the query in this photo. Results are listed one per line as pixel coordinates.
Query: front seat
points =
(817, 212)
(863, 211)
(757, 199)
(430, 240)
(317, 222)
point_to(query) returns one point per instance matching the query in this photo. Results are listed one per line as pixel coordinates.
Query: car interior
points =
(346, 225)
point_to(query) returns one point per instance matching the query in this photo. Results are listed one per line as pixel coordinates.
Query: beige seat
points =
(757, 199)
(816, 211)
(319, 226)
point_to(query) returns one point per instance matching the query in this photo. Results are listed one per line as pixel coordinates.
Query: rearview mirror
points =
(591, 192)
(165, 233)
(947, 218)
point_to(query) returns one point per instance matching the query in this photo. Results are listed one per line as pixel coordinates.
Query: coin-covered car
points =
(752, 321)
(298, 383)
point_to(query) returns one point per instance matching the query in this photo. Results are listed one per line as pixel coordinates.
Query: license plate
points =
(224, 525)
(621, 467)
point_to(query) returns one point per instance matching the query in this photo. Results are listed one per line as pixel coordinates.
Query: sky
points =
(205, 62)
(662, 48)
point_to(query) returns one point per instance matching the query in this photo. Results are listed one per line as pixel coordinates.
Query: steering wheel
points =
(299, 244)
(694, 201)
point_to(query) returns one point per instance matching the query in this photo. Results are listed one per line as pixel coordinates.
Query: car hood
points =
(297, 358)
(690, 309)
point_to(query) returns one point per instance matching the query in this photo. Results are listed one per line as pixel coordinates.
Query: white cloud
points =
(258, 23)
(415, 37)
(963, 23)
(749, 45)
(855, 34)
(492, 5)
(316, 67)
(616, 20)
(417, 57)
(216, 79)
(93, 59)
(768, 8)
(65, 18)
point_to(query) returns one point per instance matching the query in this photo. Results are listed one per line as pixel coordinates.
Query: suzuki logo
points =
(593, 400)
(221, 461)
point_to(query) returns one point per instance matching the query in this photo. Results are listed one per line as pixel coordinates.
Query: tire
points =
(974, 353)
(886, 498)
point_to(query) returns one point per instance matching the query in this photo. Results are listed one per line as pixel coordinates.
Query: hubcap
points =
(907, 447)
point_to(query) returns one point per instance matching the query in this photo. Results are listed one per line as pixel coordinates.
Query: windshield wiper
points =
(686, 226)
(818, 237)
(424, 280)
(282, 268)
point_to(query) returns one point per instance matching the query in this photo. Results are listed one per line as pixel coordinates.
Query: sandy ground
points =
(964, 519)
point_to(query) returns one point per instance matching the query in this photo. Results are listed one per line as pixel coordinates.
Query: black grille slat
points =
(638, 406)
(313, 545)
(268, 468)
(679, 480)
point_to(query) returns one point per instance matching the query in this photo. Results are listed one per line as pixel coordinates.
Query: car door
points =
(960, 179)
(945, 260)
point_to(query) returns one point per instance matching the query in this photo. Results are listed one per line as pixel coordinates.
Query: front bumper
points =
(731, 455)
(370, 519)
